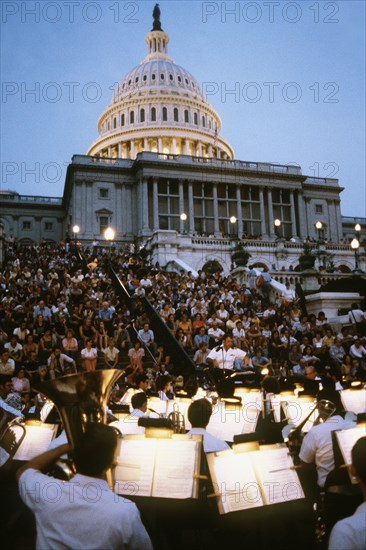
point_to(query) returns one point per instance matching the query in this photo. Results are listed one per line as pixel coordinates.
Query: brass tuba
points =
(80, 398)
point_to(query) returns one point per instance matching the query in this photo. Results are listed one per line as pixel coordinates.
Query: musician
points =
(350, 533)
(317, 445)
(84, 512)
(142, 382)
(199, 414)
(139, 405)
(226, 356)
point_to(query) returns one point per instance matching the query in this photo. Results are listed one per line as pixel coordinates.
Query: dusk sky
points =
(296, 72)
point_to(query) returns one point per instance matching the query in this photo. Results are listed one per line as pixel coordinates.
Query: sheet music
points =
(174, 469)
(296, 410)
(129, 425)
(237, 482)
(354, 400)
(229, 420)
(278, 479)
(157, 405)
(35, 442)
(135, 467)
(127, 396)
(346, 440)
(276, 406)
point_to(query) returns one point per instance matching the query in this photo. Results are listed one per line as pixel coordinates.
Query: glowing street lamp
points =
(75, 231)
(183, 219)
(109, 234)
(277, 223)
(355, 245)
(233, 221)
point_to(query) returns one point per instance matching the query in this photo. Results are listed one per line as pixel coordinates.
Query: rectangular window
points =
(103, 193)
(103, 224)
(26, 226)
(48, 226)
(319, 209)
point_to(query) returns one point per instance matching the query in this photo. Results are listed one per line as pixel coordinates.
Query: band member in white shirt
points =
(199, 414)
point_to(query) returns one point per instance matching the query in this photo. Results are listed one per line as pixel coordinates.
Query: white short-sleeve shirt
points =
(226, 358)
(350, 533)
(81, 514)
(317, 446)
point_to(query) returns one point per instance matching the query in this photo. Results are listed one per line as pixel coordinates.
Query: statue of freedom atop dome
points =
(156, 16)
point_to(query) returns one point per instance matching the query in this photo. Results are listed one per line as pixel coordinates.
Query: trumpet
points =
(177, 420)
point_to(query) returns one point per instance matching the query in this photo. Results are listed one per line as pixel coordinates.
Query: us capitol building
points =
(163, 177)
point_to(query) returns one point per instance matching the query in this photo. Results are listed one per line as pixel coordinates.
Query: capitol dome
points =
(159, 106)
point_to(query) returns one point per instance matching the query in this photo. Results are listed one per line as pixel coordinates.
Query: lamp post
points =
(183, 219)
(75, 231)
(277, 223)
(355, 245)
(109, 234)
(233, 221)
(319, 227)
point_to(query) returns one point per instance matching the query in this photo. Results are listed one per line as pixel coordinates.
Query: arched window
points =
(142, 115)
(153, 114)
(203, 121)
(122, 120)
(132, 117)
(114, 123)
(176, 115)
(195, 116)
(186, 116)
(165, 114)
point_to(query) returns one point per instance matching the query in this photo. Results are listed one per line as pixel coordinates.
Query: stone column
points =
(302, 215)
(263, 214)
(83, 204)
(181, 205)
(210, 151)
(145, 144)
(293, 215)
(190, 208)
(121, 205)
(186, 147)
(216, 212)
(155, 205)
(199, 149)
(89, 206)
(160, 145)
(144, 206)
(174, 146)
(119, 154)
(109, 152)
(132, 149)
(239, 211)
(270, 214)
(310, 229)
(337, 210)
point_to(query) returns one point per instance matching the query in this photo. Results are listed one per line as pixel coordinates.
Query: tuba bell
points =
(80, 399)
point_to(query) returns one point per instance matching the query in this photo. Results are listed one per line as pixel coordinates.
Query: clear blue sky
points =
(72, 54)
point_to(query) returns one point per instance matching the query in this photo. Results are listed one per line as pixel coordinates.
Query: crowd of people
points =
(58, 318)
